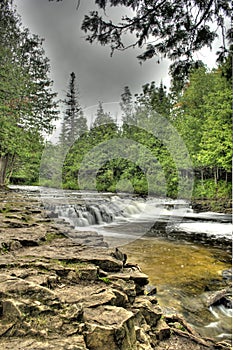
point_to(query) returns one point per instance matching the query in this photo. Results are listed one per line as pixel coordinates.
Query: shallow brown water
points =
(182, 273)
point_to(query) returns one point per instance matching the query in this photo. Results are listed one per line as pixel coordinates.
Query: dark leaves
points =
(177, 28)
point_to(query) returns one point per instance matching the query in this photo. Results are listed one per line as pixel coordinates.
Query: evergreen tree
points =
(102, 117)
(174, 29)
(27, 104)
(74, 122)
(127, 107)
(155, 98)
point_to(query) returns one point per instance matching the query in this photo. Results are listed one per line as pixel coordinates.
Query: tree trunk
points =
(216, 176)
(202, 178)
(3, 168)
(11, 163)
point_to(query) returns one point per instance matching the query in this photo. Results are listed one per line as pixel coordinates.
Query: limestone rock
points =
(70, 343)
(89, 272)
(127, 287)
(109, 327)
(67, 250)
(152, 313)
(162, 331)
(13, 286)
(140, 279)
(144, 341)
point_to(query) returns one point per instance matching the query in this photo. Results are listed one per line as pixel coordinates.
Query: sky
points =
(99, 76)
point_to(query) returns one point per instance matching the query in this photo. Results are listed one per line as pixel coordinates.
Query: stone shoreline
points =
(64, 294)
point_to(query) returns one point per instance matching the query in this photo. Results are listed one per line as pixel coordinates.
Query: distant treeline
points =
(143, 154)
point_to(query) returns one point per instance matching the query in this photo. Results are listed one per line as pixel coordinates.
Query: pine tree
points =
(27, 103)
(102, 117)
(74, 122)
(127, 107)
(173, 29)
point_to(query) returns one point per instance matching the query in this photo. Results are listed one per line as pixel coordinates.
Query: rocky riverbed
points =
(57, 293)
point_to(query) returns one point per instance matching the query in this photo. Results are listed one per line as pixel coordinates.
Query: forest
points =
(140, 154)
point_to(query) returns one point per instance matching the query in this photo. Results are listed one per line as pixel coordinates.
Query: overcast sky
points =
(99, 76)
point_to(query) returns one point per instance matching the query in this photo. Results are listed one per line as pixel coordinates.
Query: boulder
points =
(109, 327)
(150, 312)
(140, 279)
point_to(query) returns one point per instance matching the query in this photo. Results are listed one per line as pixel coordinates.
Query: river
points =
(186, 255)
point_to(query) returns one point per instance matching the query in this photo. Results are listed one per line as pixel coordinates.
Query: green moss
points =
(105, 280)
(51, 236)
(4, 249)
(70, 263)
(6, 209)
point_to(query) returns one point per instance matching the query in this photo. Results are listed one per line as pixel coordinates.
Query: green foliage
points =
(216, 141)
(200, 110)
(147, 164)
(106, 280)
(203, 118)
(27, 105)
(209, 189)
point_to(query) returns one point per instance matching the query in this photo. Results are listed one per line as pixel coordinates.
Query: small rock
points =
(162, 331)
(89, 273)
(151, 290)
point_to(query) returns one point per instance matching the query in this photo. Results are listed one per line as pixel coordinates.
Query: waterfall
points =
(99, 213)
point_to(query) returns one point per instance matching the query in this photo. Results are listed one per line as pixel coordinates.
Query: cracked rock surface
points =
(63, 294)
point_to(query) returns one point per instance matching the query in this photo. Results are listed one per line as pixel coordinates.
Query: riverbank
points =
(220, 205)
(57, 293)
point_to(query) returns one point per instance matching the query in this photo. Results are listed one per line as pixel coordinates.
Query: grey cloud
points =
(100, 77)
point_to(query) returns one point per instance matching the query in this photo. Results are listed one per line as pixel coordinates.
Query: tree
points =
(27, 104)
(173, 29)
(190, 109)
(102, 117)
(127, 107)
(74, 122)
(25, 169)
(103, 128)
(155, 98)
(203, 118)
(216, 142)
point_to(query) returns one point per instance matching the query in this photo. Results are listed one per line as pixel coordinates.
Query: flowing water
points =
(185, 254)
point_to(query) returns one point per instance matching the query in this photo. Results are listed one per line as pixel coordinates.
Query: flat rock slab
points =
(13, 286)
(87, 296)
(68, 250)
(26, 236)
(138, 277)
(68, 343)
